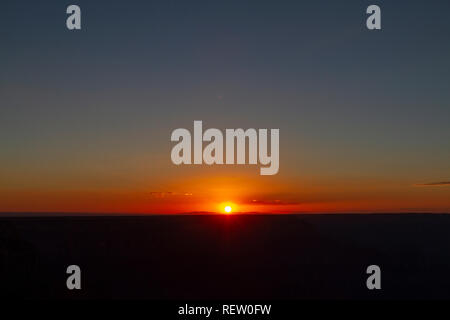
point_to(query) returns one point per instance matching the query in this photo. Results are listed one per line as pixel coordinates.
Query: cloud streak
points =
(433, 184)
(270, 202)
(165, 194)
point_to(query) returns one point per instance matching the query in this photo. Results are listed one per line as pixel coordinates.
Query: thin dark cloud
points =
(433, 184)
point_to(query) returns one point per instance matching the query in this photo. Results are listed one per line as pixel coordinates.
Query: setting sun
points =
(227, 209)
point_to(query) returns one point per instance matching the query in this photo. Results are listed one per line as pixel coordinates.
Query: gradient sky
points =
(86, 116)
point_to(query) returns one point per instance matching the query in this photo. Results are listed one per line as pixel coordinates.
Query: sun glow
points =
(227, 209)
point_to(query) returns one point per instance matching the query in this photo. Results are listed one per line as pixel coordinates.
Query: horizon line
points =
(198, 213)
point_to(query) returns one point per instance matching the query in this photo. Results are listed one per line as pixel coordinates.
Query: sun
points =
(227, 209)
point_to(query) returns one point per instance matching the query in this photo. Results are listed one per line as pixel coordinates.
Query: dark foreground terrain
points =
(226, 257)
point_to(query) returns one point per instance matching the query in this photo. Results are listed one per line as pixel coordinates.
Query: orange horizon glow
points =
(142, 202)
(206, 189)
